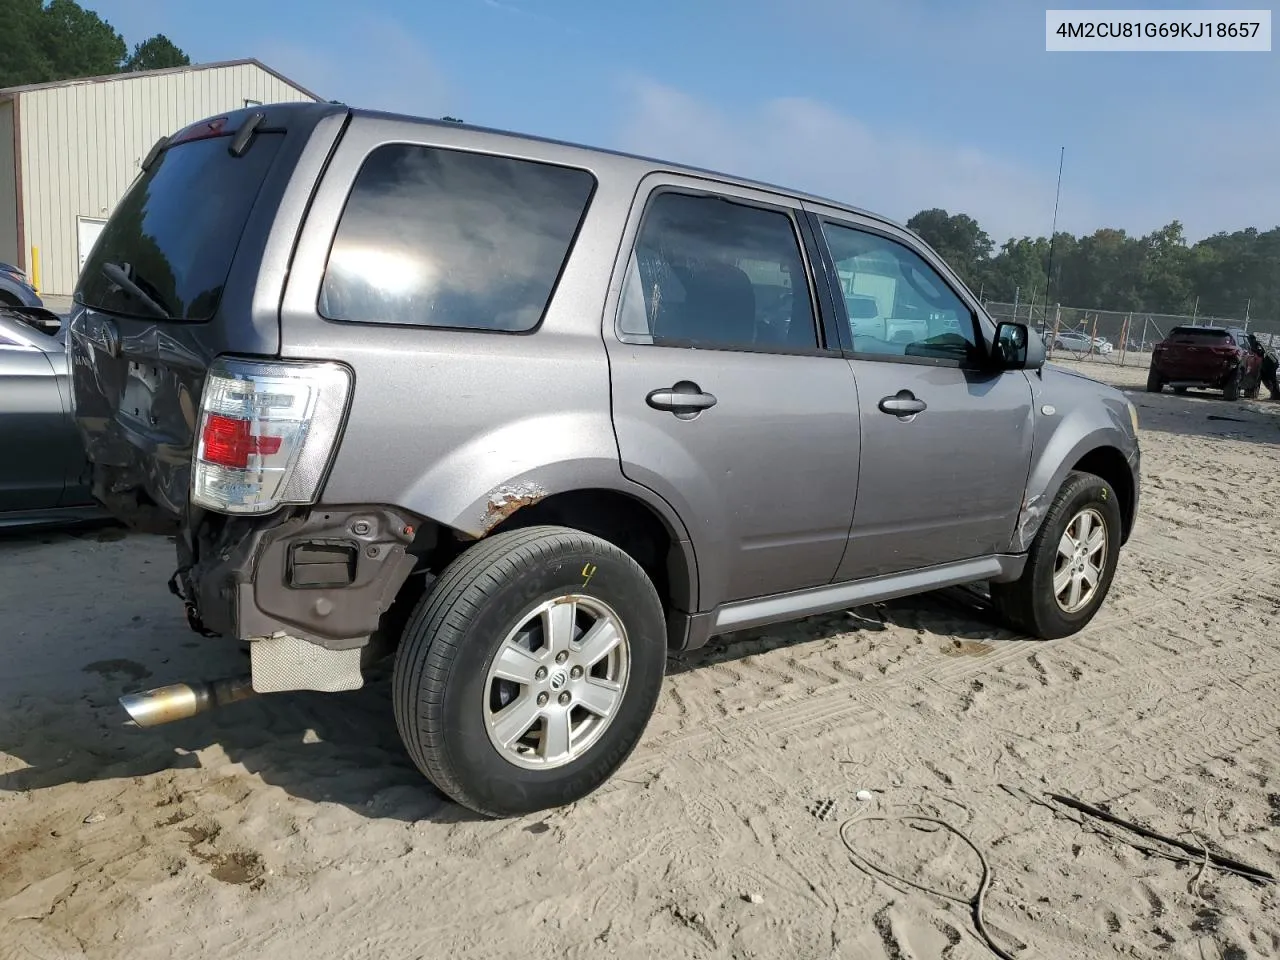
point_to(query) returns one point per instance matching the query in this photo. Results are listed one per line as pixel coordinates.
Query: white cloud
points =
(807, 145)
(372, 63)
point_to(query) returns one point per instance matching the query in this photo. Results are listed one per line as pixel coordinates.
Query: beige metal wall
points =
(82, 145)
(8, 188)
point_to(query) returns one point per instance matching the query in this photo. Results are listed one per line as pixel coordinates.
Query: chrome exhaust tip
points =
(178, 701)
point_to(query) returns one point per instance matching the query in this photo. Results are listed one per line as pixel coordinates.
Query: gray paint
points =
(791, 487)
(43, 466)
(1087, 416)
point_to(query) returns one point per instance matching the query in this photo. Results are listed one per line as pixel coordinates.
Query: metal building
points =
(69, 150)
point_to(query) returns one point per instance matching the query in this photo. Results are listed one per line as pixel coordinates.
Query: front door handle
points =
(904, 403)
(685, 399)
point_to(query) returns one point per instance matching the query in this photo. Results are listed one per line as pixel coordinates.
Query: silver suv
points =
(528, 416)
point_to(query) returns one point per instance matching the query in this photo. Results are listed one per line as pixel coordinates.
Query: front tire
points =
(528, 672)
(1071, 563)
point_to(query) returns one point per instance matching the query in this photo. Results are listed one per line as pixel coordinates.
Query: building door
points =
(87, 230)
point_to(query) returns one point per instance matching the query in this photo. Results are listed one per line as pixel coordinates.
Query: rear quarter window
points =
(434, 237)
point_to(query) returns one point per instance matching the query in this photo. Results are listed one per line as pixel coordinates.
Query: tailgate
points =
(1197, 355)
(167, 288)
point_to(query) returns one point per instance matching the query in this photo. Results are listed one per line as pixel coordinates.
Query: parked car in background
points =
(1102, 345)
(1215, 358)
(15, 289)
(1073, 341)
(44, 474)
(527, 415)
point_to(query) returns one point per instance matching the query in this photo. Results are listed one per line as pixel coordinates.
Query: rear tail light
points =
(267, 432)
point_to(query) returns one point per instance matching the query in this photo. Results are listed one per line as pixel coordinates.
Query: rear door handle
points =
(685, 399)
(904, 403)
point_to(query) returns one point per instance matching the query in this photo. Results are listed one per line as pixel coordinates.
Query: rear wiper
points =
(116, 274)
(240, 142)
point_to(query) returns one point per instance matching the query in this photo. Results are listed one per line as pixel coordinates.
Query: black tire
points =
(1253, 390)
(1154, 383)
(459, 627)
(1179, 390)
(1232, 390)
(1028, 604)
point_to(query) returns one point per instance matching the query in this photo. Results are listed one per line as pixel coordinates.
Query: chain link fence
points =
(1112, 336)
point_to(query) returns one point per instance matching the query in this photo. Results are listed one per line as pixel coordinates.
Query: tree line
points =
(1224, 275)
(61, 40)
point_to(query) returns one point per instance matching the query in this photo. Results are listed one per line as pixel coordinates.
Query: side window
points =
(712, 272)
(897, 305)
(445, 238)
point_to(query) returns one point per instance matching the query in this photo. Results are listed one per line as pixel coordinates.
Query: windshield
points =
(168, 247)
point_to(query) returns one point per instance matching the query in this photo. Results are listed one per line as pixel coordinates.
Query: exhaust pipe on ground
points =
(178, 701)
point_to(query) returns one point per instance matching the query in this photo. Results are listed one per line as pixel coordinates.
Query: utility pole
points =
(1053, 230)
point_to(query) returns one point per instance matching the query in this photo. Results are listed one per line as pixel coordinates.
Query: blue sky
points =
(893, 105)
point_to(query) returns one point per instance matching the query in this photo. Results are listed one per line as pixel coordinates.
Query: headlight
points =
(1133, 418)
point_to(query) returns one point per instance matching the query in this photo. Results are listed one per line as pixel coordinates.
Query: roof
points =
(655, 162)
(8, 93)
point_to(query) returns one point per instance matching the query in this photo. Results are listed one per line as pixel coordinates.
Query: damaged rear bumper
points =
(306, 590)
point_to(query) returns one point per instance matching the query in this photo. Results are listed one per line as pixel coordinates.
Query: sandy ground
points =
(294, 826)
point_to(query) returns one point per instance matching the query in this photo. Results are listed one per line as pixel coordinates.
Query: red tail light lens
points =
(229, 442)
(200, 131)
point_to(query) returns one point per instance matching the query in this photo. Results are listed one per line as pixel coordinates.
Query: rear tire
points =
(1232, 390)
(1154, 383)
(1033, 604)
(471, 649)
(1179, 390)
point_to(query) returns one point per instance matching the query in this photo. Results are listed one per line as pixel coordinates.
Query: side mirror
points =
(1016, 347)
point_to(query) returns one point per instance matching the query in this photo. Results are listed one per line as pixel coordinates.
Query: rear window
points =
(446, 238)
(176, 231)
(1199, 335)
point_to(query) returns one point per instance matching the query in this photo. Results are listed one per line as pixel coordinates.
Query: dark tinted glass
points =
(710, 272)
(176, 231)
(1193, 334)
(445, 238)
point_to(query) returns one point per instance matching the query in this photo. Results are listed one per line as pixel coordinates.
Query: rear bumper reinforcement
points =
(309, 588)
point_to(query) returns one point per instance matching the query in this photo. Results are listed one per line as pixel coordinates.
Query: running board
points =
(745, 614)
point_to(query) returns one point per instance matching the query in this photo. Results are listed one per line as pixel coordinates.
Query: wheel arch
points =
(1111, 465)
(654, 538)
(1099, 452)
(622, 514)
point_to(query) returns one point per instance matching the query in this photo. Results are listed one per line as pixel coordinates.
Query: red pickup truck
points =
(1219, 358)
